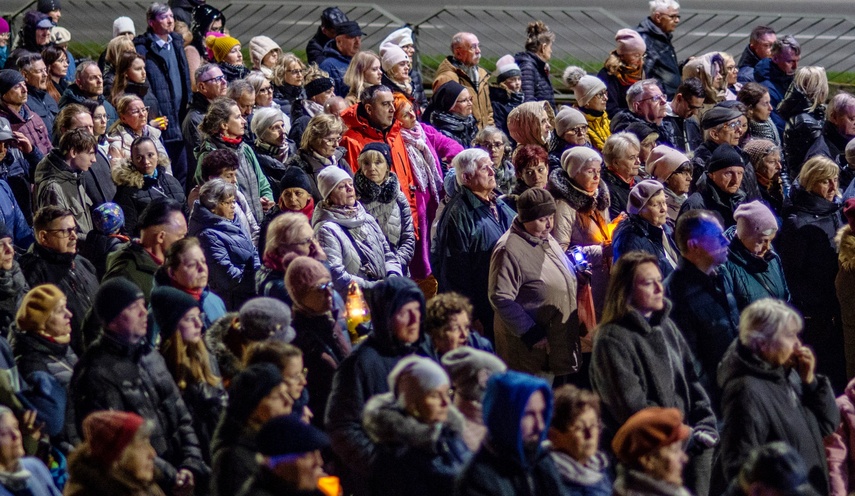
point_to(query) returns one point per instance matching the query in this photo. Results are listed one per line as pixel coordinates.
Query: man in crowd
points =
(838, 130)
(759, 47)
(244, 95)
(647, 105)
(776, 73)
(462, 67)
(680, 118)
(210, 84)
(35, 73)
(89, 85)
(661, 62)
(98, 180)
(13, 106)
(59, 177)
(330, 18)
(340, 51)
(724, 125)
(719, 188)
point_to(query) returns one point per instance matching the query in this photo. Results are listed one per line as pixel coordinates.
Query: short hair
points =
(488, 131)
(52, 53)
(621, 284)
(218, 113)
(282, 232)
(817, 169)
(66, 115)
(47, 214)
(125, 101)
(215, 191)
(442, 307)
(760, 31)
(318, 128)
(271, 351)
(158, 212)
(617, 146)
(813, 83)
(27, 60)
(81, 68)
(369, 94)
(238, 87)
(691, 88)
(214, 163)
(202, 70)
(528, 155)
(466, 163)
(787, 41)
(256, 80)
(458, 38)
(538, 34)
(692, 223)
(841, 102)
(751, 93)
(568, 402)
(660, 5)
(637, 89)
(763, 320)
(172, 257)
(78, 141)
(155, 10)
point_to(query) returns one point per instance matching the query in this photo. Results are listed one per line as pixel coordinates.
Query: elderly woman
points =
(296, 197)
(623, 68)
(132, 124)
(141, 179)
(492, 140)
(674, 170)
(646, 228)
(227, 54)
(319, 149)
(450, 112)
(21, 474)
(532, 288)
(417, 430)
(627, 368)
(731, 74)
(756, 98)
(13, 285)
(364, 71)
(263, 91)
(225, 243)
(287, 81)
(771, 392)
(447, 326)
(534, 63)
(592, 96)
(356, 248)
(709, 68)
(803, 107)
(571, 130)
(264, 54)
(622, 155)
(574, 432)
(223, 164)
(273, 149)
(531, 124)
(531, 167)
(224, 127)
(288, 233)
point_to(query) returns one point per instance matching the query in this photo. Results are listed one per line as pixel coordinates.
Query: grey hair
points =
(238, 87)
(617, 145)
(466, 163)
(82, 67)
(256, 80)
(155, 10)
(637, 89)
(215, 191)
(482, 135)
(202, 70)
(660, 5)
(762, 321)
(5, 409)
(841, 102)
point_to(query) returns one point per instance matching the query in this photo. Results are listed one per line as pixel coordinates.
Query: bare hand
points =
(184, 483)
(266, 204)
(804, 362)
(23, 142)
(30, 427)
(543, 344)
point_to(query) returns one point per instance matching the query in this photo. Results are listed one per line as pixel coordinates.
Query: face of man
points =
(131, 325)
(709, 243)
(163, 24)
(90, 81)
(382, 111)
(651, 105)
(483, 180)
(762, 47)
(846, 123)
(533, 421)
(729, 132)
(787, 60)
(212, 83)
(728, 179)
(17, 95)
(348, 45)
(246, 103)
(469, 50)
(667, 19)
(36, 75)
(60, 235)
(81, 161)
(687, 108)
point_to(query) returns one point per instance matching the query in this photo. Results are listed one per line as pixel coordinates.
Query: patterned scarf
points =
(422, 160)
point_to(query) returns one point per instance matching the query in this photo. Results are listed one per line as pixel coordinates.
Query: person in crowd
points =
(32, 37)
(447, 327)
(225, 243)
(468, 229)
(646, 227)
(191, 365)
(534, 63)
(657, 32)
(845, 243)
(56, 60)
(810, 221)
(709, 69)
(15, 184)
(105, 237)
(319, 89)
(116, 457)
(119, 371)
(721, 125)
(627, 369)
(531, 167)
(59, 180)
(506, 94)
(340, 52)
(13, 284)
(769, 370)
(223, 164)
(674, 170)
(363, 71)
(760, 44)
(450, 112)
(21, 474)
(776, 74)
(243, 94)
(210, 84)
(273, 149)
(592, 97)
(803, 109)
(719, 188)
(403, 38)
(571, 130)
(227, 55)
(287, 82)
(511, 460)
(13, 107)
(88, 85)
(330, 18)
(775, 467)
(133, 124)
(320, 149)
(356, 248)
(381, 196)
(622, 69)
(5, 34)
(838, 131)
(731, 74)
(397, 306)
(650, 448)
(206, 19)
(264, 55)
(532, 123)
(647, 105)
(765, 156)
(462, 67)
(529, 273)
(755, 269)
(161, 224)
(289, 360)
(681, 129)
(574, 433)
(256, 396)
(264, 92)
(492, 140)
(116, 47)
(621, 154)
(35, 73)
(97, 181)
(296, 197)
(53, 259)
(169, 76)
(396, 71)
(760, 126)
(417, 431)
(224, 127)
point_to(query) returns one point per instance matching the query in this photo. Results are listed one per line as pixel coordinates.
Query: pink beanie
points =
(753, 218)
(663, 161)
(629, 41)
(575, 158)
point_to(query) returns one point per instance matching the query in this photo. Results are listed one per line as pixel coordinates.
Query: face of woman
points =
(270, 59)
(779, 349)
(59, 68)
(235, 126)
(264, 95)
(589, 177)
(190, 326)
(463, 105)
(647, 291)
(407, 116)
(294, 74)
(656, 210)
(406, 323)
(826, 189)
(582, 436)
(58, 325)
(135, 116)
(192, 270)
(144, 158)
(295, 199)
(292, 376)
(275, 134)
(577, 136)
(326, 146)
(633, 59)
(453, 335)
(319, 299)
(234, 57)
(277, 402)
(343, 195)
(375, 169)
(679, 182)
(546, 51)
(667, 463)
(627, 166)
(545, 126)
(771, 165)
(7, 253)
(99, 121)
(11, 446)
(598, 103)
(731, 72)
(400, 72)
(433, 406)
(763, 109)
(136, 73)
(226, 208)
(758, 244)
(138, 459)
(536, 176)
(495, 146)
(373, 74)
(540, 228)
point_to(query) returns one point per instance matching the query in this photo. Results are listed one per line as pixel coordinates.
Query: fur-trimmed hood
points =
(229, 363)
(125, 174)
(387, 423)
(91, 479)
(562, 187)
(845, 241)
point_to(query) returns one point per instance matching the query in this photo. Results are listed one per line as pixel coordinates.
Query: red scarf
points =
(195, 293)
(231, 141)
(308, 210)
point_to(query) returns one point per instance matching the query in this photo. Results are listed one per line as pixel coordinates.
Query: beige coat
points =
(482, 109)
(532, 288)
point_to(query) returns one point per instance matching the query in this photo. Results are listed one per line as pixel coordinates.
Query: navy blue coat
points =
(44, 106)
(72, 95)
(13, 218)
(536, 85)
(336, 65)
(635, 233)
(165, 90)
(776, 81)
(661, 62)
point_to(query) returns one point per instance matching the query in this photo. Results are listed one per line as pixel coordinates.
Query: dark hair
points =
(751, 93)
(91, 105)
(126, 60)
(691, 87)
(219, 112)
(528, 155)
(77, 140)
(692, 223)
(275, 352)
(537, 35)
(172, 257)
(218, 161)
(568, 402)
(621, 283)
(47, 214)
(786, 41)
(52, 53)
(157, 212)
(369, 94)
(27, 60)
(759, 31)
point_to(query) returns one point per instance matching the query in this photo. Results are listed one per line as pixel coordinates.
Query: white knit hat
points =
(401, 37)
(259, 47)
(506, 67)
(587, 88)
(59, 35)
(123, 24)
(329, 178)
(567, 118)
(264, 117)
(414, 377)
(391, 55)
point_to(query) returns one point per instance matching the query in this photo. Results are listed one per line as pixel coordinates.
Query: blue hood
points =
(504, 404)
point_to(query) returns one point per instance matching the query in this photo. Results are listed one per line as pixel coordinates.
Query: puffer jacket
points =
(684, 134)
(73, 94)
(777, 82)
(40, 102)
(461, 130)
(636, 234)
(172, 96)
(30, 125)
(536, 85)
(355, 246)
(13, 287)
(34, 353)
(135, 191)
(251, 179)
(803, 130)
(57, 184)
(13, 217)
(206, 403)
(661, 62)
(754, 278)
(451, 70)
(503, 101)
(840, 446)
(425, 458)
(312, 166)
(389, 207)
(232, 258)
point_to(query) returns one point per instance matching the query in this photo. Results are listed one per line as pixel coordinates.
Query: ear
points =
(647, 462)
(41, 236)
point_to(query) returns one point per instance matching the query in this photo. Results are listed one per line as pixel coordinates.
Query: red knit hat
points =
(109, 433)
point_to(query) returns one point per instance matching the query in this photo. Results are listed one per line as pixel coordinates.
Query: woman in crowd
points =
(404, 38)
(263, 92)
(646, 227)
(273, 149)
(506, 94)
(224, 127)
(417, 430)
(356, 248)
(623, 68)
(264, 54)
(571, 130)
(492, 140)
(287, 82)
(531, 167)
(13, 285)
(132, 124)
(191, 365)
(131, 79)
(295, 196)
(223, 164)
(534, 63)
(531, 124)
(731, 73)
(674, 170)
(98, 182)
(756, 98)
(532, 288)
(845, 242)
(622, 155)
(319, 149)
(765, 156)
(447, 327)
(227, 55)
(574, 432)
(289, 360)
(380, 193)
(116, 47)
(709, 68)
(803, 107)
(141, 179)
(627, 367)
(19, 473)
(364, 71)
(206, 19)
(592, 97)
(225, 243)
(56, 62)
(450, 112)
(396, 71)
(288, 233)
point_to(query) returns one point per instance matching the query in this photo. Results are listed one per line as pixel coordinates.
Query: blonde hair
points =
(617, 146)
(189, 363)
(355, 75)
(321, 126)
(816, 170)
(812, 81)
(116, 47)
(282, 232)
(285, 61)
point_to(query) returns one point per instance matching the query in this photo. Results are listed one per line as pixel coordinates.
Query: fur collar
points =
(387, 423)
(125, 174)
(845, 241)
(565, 189)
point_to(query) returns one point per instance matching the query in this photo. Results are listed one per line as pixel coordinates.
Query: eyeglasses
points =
(139, 111)
(585, 429)
(325, 286)
(661, 97)
(465, 100)
(495, 145)
(301, 375)
(217, 79)
(735, 125)
(578, 131)
(602, 94)
(332, 141)
(63, 233)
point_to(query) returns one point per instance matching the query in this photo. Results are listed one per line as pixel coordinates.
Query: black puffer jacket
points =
(536, 85)
(34, 353)
(661, 62)
(313, 166)
(136, 191)
(636, 234)
(503, 101)
(803, 129)
(234, 450)
(13, 287)
(205, 404)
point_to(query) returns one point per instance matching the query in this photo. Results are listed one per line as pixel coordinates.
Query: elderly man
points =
(38, 99)
(647, 105)
(776, 74)
(243, 94)
(59, 177)
(469, 227)
(462, 66)
(88, 85)
(13, 107)
(210, 84)
(838, 131)
(723, 125)
(680, 119)
(340, 51)
(759, 47)
(719, 188)
(661, 62)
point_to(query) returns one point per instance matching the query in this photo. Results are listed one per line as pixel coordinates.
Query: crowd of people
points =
(312, 276)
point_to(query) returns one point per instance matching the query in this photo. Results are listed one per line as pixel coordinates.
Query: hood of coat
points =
(125, 174)
(386, 422)
(384, 301)
(53, 166)
(845, 241)
(811, 203)
(563, 188)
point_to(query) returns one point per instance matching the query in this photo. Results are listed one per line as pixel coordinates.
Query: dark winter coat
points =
(616, 92)
(335, 64)
(636, 234)
(59, 185)
(13, 287)
(315, 47)
(135, 191)
(233, 451)
(98, 181)
(265, 483)
(205, 404)
(44, 106)
(30, 125)
(624, 118)
(273, 168)
(73, 94)
(172, 96)
(762, 403)
(618, 192)
(661, 62)
(684, 134)
(16, 176)
(13, 218)
(803, 130)
(233, 72)
(503, 101)
(703, 153)
(754, 278)
(452, 70)
(35, 353)
(312, 166)
(536, 85)
(88, 477)
(746, 64)
(461, 130)
(708, 196)
(285, 96)
(777, 82)
(135, 264)
(196, 110)
(97, 247)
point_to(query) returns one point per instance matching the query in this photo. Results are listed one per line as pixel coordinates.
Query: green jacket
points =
(133, 263)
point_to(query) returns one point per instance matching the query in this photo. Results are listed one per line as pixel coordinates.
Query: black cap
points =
(294, 177)
(723, 157)
(287, 435)
(332, 17)
(348, 28)
(249, 387)
(778, 466)
(114, 296)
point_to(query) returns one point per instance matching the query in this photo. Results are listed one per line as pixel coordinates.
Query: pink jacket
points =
(840, 446)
